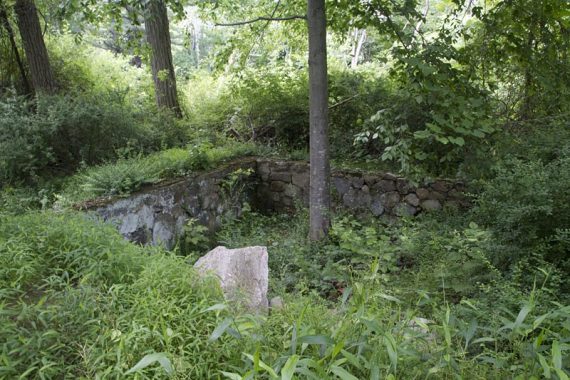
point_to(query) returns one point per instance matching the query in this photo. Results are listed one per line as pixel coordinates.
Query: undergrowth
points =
(79, 301)
(131, 173)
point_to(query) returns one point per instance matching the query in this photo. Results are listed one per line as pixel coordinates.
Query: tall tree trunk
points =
(360, 38)
(320, 199)
(526, 108)
(34, 46)
(6, 23)
(158, 37)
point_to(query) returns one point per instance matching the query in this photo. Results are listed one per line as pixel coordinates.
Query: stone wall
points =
(158, 214)
(282, 183)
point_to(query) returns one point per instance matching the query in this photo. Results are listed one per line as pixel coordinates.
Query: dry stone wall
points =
(283, 183)
(158, 214)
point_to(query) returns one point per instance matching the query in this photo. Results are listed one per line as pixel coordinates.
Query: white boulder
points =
(243, 274)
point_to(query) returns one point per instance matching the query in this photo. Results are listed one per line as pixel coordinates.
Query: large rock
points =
(243, 274)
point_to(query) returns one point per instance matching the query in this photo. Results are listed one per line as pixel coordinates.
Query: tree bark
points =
(43, 79)
(6, 23)
(320, 199)
(158, 37)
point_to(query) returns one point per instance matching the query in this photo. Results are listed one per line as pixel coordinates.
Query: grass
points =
(79, 301)
(129, 174)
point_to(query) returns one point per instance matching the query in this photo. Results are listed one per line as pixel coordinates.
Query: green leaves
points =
(342, 373)
(221, 329)
(289, 368)
(151, 359)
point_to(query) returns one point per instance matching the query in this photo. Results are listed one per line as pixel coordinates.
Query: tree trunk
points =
(158, 37)
(320, 199)
(34, 46)
(6, 23)
(360, 38)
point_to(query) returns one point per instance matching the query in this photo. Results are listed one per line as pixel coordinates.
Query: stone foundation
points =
(158, 214)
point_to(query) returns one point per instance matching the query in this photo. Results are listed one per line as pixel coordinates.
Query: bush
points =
(24, 152)
(451, 315)
(271, 105)
(445, 256)
(59, 133)
(266, 105)
(441, 114)
(80, 301)
(526, 207)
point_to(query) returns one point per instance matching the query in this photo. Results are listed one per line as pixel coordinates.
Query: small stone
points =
(278, 186)
(357, 182)
(404, 209)
(431, 205)
(263, 170)
(370, 179)
(412, 199)
(436, 195)
(342, 185)
(404, 187)
(355, 199)
(301, 180)
(460, 186)
(243, 274)
(389, 200)
(283, 177)
(422, 193)
(386, 185)
(365, 189)
(276, 304)
(441, 186)
(281, 166)
(291, 191)
(376, 208)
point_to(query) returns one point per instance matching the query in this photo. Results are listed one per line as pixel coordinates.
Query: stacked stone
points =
(157, 215)
(282, 183)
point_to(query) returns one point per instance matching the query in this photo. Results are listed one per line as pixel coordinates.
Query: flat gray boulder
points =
(243, 274)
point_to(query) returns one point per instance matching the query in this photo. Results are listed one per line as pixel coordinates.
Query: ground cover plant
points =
(79, 300)
(127, 175)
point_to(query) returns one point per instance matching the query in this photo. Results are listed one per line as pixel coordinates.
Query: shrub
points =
(271, 105)
(446, 259)
(80, 301)
(447, 313)
(526, 207)
(63, 132)
(448, 113)
(24, 152)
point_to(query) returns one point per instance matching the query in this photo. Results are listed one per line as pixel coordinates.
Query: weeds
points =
(130, 174)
